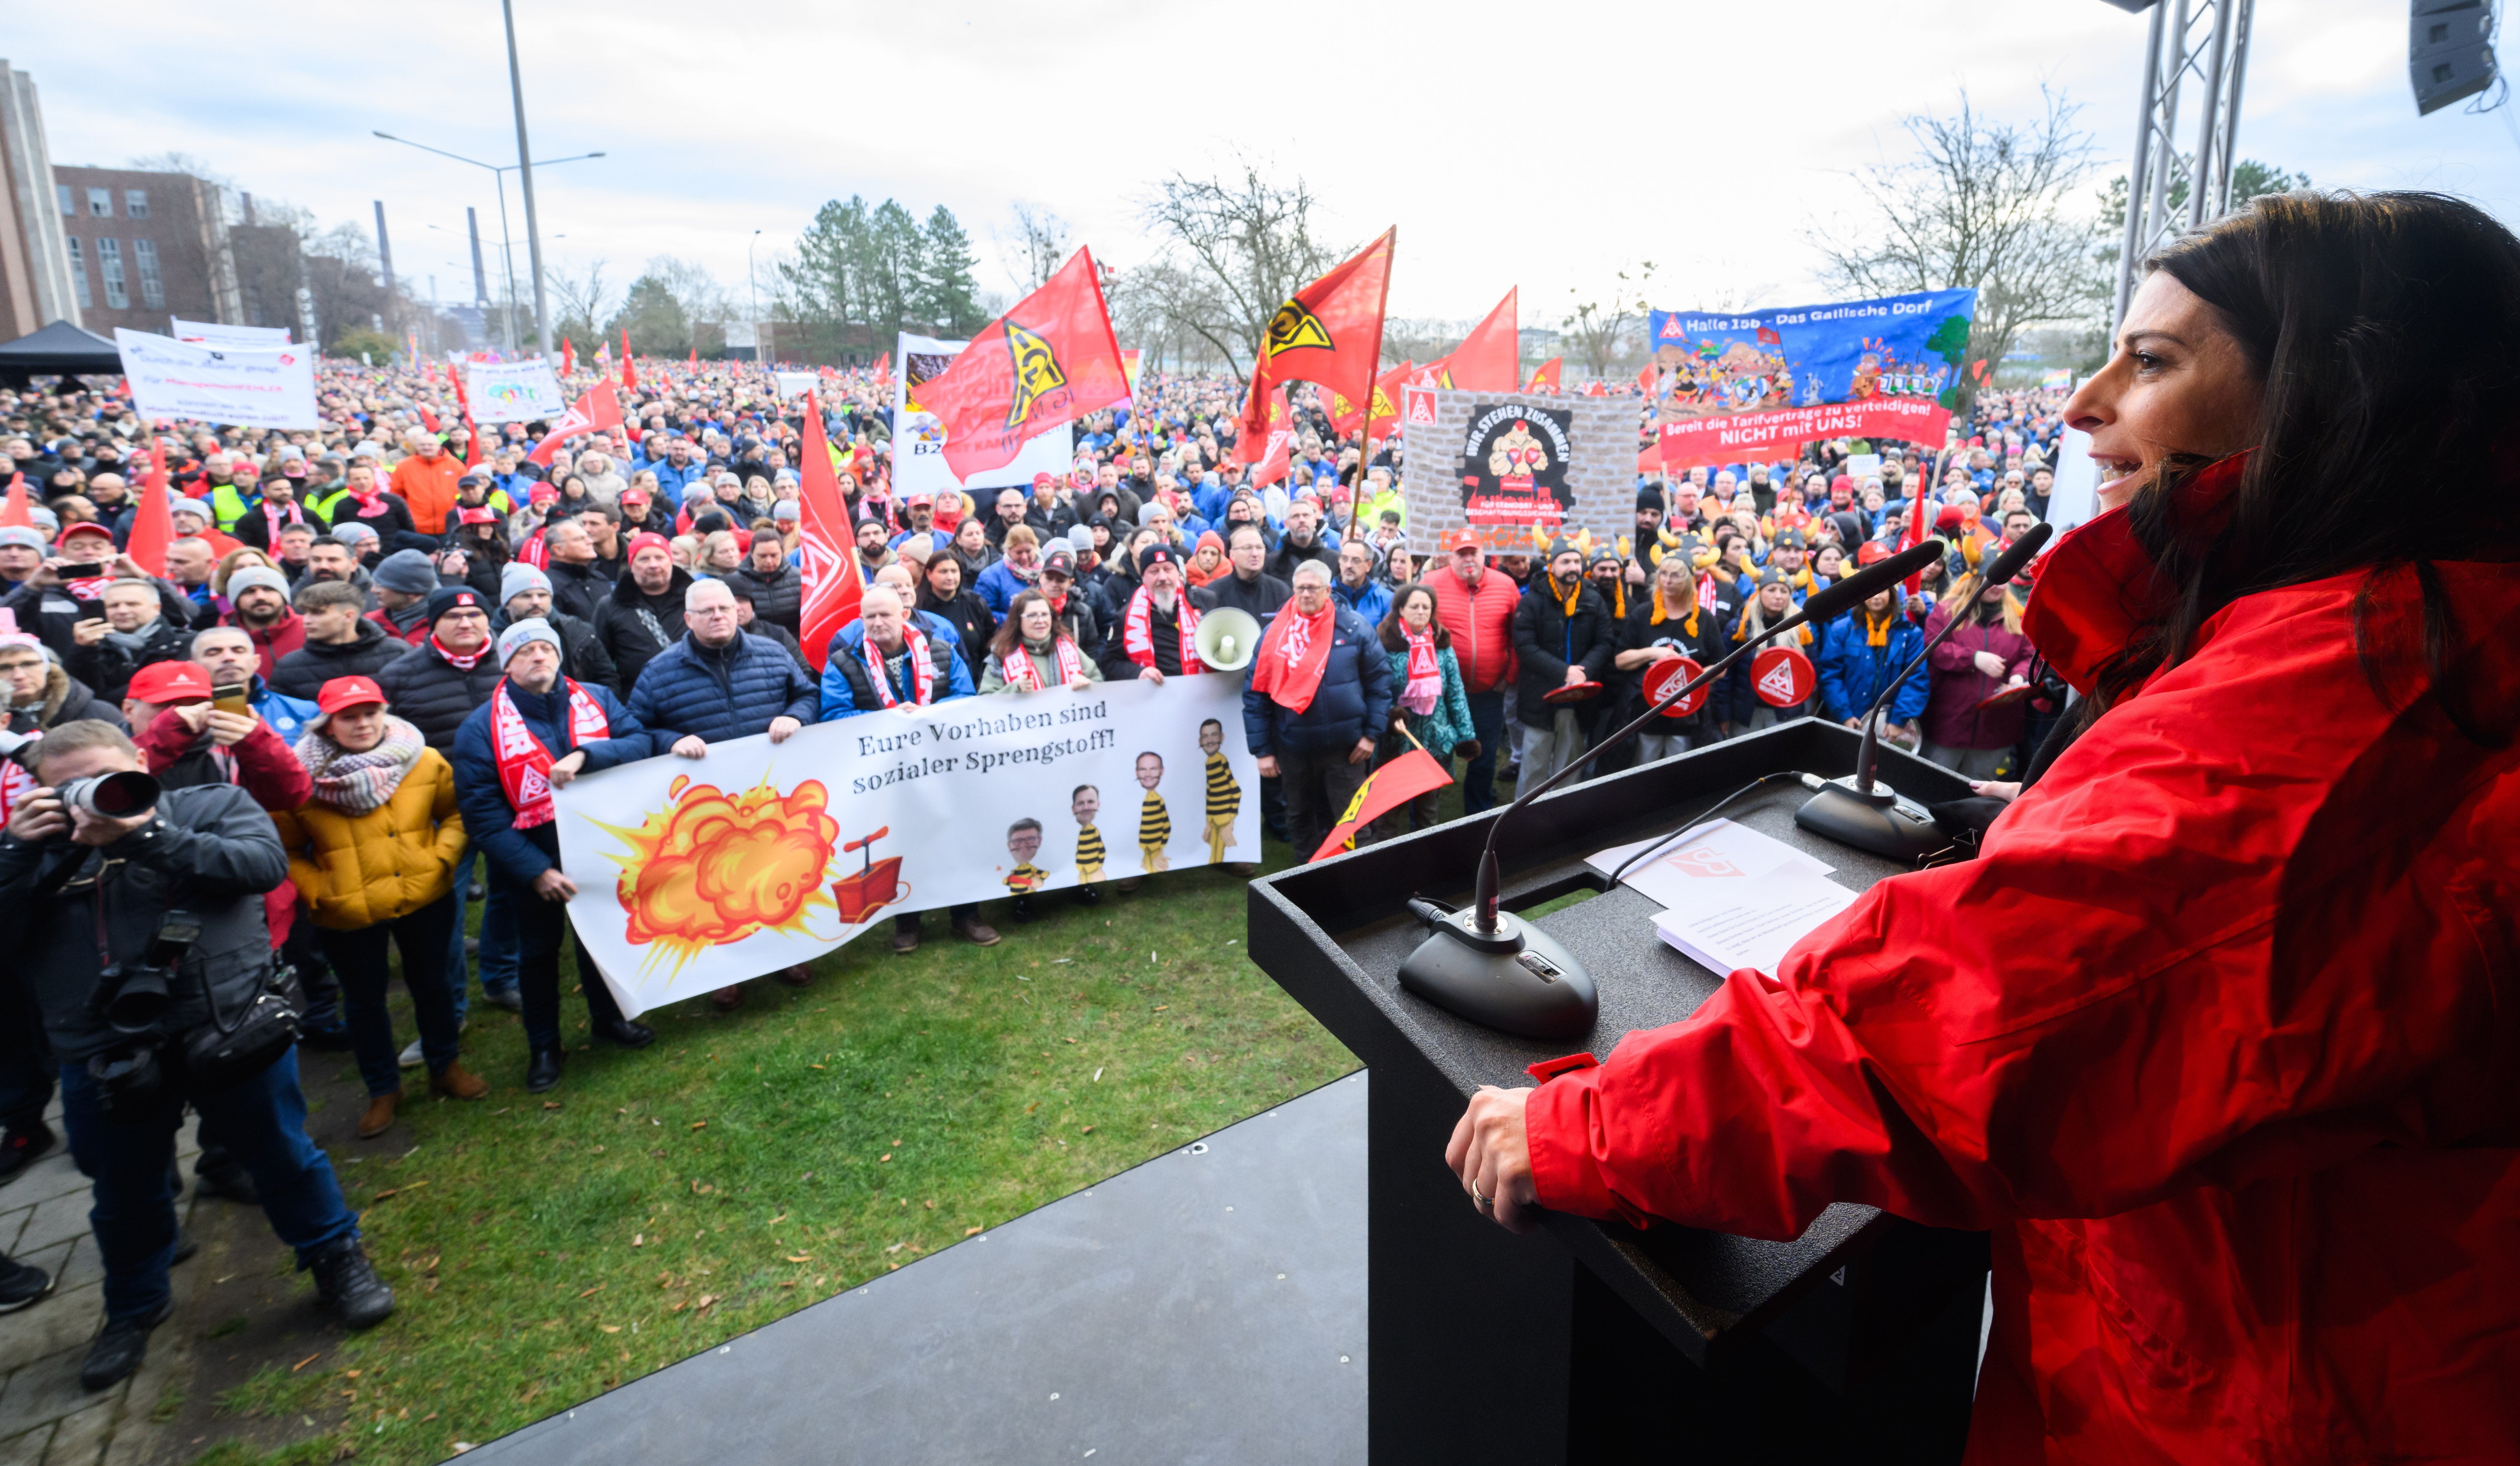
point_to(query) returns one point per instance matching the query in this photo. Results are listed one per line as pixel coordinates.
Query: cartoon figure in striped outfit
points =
(1154, 823)
(1223, 795)
(1085, 804)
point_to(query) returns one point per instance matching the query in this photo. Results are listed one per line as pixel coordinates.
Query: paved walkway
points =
(45, 1418)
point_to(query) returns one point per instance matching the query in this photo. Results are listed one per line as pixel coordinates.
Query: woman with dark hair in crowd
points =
(947, 591)
(1031, 651)
(1431, 704)
(2216, 1034)
(972, 548)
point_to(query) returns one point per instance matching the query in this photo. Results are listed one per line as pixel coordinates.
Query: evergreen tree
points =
(949, 296)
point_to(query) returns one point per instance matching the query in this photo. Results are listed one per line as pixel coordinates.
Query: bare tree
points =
(1597, 329)
(1245, 242)
(580, 300)
(1038, 241)
(1980, 204)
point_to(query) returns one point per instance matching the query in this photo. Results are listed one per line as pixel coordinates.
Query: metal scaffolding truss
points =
(2194, 58)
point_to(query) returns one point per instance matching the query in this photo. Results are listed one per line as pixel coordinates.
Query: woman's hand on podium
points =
(1493, 1159)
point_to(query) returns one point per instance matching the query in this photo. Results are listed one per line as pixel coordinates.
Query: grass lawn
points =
(546, 1248)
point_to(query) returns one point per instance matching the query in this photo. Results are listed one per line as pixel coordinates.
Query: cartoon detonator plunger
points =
(1023, 842)
(1223, 795)
(876, 886)
(1154, 823)
(1085, 804)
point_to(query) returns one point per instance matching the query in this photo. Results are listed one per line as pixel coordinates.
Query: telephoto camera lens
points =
(113, 796)
(140, 1001)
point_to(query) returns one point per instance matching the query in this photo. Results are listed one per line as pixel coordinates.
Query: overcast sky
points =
(1533, 145)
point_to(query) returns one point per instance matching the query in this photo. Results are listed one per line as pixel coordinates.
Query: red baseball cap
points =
(84, 527)
(481, 515)
(634, 492)
(647, 539)
(348, 691)
(1464, 538)
(162, 683)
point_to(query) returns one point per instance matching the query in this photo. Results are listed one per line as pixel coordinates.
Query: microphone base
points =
(1519, 981)
(1880, 822)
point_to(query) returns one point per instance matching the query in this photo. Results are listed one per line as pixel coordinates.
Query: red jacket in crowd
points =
(2220, 1035)
(259, 763)
(274, 641)
(1481, 622)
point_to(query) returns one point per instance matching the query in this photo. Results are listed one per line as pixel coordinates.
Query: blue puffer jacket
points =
(731, 692)
(1370, 602)
(1352, 703)
(1851, 673)
(521, 855)
(848, 689)
(1000, 585)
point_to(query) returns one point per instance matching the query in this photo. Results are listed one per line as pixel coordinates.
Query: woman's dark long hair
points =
(2385, 328)
(1395, 631)
(1010, 634)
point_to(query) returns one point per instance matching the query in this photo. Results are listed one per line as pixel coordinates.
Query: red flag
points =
(1385, 789)
(568, 356)
(14, 511)
(696, 359)
(1544, 378)
(153, 520)
(1041, 365)
(1645, 379)
(1348, 417)
(1273, 448)
(629, 369)
(471, 441)
(827, 540)
(883, 367)
(1596, 389)
(427, 419)
(1487, 360)
(1329, 335)
(596, 408)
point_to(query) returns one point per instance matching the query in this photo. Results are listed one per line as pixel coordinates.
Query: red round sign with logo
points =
(1663, 676)
(1782, 677)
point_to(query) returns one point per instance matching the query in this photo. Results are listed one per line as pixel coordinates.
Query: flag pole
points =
(1373, 370)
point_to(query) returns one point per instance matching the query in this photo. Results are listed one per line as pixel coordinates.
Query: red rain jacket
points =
(2220, 1035)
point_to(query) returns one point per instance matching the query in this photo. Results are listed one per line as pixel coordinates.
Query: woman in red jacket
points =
(2220, 1035)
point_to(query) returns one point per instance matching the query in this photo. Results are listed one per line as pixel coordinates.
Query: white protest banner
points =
(512, 391)
(919, 440)
(212, 333)
(695, 873)
(244, 388)
(794, 383)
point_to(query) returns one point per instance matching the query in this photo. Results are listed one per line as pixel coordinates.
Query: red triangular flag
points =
(1039, 366)
(1346, 416)
(427, 419)
(568, 356)
(827, 542)
(629, 371)
(1329, 335)
(1273, 448)
(596, 408)
(1596, 389)
(1387, 788)
(696, 359)
(1645, 379)
(1544, 378)
(14, 511)
(153, 520)
(883, 367)
(1487, 360)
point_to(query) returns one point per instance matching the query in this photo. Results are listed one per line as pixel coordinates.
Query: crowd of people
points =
(372, 650)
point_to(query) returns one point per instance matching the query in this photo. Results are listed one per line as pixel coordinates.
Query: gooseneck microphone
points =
(1868, 814)
(1494, 968)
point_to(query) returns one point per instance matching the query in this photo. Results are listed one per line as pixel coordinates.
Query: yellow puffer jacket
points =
(356, 870)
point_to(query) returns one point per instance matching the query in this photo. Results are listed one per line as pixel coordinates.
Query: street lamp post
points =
(752, 289)
(526, 174)
(507, 249)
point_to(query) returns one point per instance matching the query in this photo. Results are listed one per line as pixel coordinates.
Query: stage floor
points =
(1207, 1306)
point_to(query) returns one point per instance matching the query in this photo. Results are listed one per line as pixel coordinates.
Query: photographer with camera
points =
(142, 941)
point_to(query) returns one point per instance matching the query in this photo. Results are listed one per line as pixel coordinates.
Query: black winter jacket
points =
(434, 695)
(1547, 641)
(581, 651)
(108, 668)
(302, 673)
(777, 597)
(578, 590)
(635, 626)
(211, 852)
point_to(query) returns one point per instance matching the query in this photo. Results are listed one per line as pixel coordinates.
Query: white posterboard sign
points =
(794, 384)
(512, 391)
(694, 873)
(919, 440)
(244, 388)
(2076, 495)
(212, 333)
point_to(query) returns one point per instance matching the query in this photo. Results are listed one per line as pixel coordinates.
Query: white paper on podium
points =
(1755, 922)
(1705, 861)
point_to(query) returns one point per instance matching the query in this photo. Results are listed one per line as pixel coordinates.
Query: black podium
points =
(1592, 1341)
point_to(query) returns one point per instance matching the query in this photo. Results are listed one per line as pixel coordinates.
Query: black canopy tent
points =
(60, 349)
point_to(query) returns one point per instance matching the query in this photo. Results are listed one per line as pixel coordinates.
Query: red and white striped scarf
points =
(1138, 637)
(1022, 673)
(923, 671)
(525, 763)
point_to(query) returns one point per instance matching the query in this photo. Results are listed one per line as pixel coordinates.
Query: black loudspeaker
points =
(2450, 52)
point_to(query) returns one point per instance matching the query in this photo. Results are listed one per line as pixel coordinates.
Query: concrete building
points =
(36, 287)
(144, 248)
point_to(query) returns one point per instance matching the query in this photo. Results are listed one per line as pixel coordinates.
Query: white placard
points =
(245, 389)
(2075, 495)
(919, 440)
(694, 873)
(212, 333)
(512, 391)
(793, 385)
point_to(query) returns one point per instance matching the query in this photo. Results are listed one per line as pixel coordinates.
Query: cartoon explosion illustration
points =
(712, 869)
